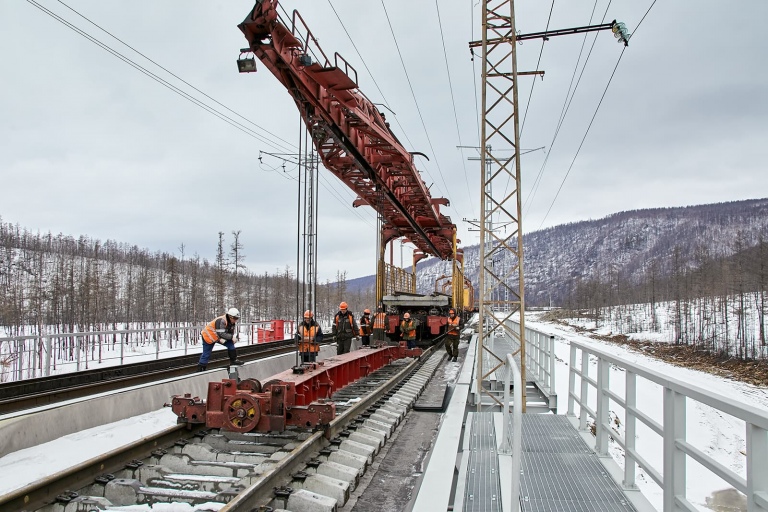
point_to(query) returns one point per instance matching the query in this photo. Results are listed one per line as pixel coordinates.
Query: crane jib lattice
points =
(351, 135)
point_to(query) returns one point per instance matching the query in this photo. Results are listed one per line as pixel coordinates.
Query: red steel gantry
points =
(350, 134)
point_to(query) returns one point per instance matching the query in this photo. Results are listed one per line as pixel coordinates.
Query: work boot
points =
(233, 360)
(202, 367)
(455, 359)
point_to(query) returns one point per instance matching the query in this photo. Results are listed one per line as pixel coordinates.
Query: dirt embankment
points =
(750, 371)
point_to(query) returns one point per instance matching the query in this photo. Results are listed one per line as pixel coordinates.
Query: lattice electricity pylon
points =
(501, 239)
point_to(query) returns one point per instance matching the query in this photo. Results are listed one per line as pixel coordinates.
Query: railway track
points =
(236, 472)
(30, 393)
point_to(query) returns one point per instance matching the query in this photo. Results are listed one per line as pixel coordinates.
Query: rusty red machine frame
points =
(299, 397)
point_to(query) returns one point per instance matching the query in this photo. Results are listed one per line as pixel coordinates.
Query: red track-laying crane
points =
(351, 135)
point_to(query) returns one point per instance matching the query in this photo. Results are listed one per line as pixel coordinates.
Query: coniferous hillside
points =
(635, 256)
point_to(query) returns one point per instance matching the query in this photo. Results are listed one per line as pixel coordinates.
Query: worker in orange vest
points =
(365, 328)
(344, 329)
(220, 330)
(379, 325)
(309, 337)
(408, 330)
(453, 328)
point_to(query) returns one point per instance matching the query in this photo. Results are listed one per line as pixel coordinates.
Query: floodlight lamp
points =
(246, 65)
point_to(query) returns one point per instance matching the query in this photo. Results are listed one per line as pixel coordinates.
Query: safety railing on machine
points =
(672, 442)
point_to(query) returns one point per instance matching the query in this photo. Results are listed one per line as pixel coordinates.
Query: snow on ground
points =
(718, 434)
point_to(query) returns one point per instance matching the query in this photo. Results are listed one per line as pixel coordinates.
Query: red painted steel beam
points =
(296, 397)
(351, 135)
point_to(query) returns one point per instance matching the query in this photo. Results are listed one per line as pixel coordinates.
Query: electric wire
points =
(453, 103)
(583, 139)
(538, 62)
(593, 115)
(180, 92)
(566, 105)
(292, 146)
(386, 102)
(418, 109)
(155, 77)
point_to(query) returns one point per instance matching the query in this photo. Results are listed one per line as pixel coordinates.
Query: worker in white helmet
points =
(220, 330)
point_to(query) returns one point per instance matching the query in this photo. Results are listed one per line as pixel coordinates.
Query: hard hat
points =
(233, 312)
(407, 315)
(367, 311)
(307, 314)
(343, 305)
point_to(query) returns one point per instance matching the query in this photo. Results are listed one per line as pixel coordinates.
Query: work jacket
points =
(344, 325)
(408, 328)
(218, 329)
(310, 336)
(365, 326)
(453, 326)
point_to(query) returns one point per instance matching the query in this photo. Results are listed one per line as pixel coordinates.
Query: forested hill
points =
(637, 256)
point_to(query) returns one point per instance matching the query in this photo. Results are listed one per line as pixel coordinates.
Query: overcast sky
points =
(91, 146)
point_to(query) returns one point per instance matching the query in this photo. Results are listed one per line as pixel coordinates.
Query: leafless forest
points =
(61, 284)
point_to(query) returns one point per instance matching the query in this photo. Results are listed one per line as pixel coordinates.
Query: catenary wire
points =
(290, 145)
(566, 104)
(386, 102)
(155, 77)
(593, 117)
(453, 103)
(418, 109)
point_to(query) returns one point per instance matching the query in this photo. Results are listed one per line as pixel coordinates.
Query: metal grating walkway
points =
(560, 473)
(483, 491)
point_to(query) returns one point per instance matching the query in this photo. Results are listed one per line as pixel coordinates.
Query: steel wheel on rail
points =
(241, 413)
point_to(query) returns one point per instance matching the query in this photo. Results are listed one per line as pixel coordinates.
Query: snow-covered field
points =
(716, 433)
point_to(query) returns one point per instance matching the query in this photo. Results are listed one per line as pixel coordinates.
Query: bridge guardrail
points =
(33, 356)
(539, 360)
(672, 477)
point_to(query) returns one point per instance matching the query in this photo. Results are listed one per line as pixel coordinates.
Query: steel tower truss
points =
(501, 291)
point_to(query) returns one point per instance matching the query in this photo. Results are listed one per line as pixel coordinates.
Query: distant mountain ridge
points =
(627, 244)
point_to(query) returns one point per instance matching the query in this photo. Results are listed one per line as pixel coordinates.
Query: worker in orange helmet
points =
(344, 329)
(366, 328)
(310, 336)
(453, 327)
(408, 330)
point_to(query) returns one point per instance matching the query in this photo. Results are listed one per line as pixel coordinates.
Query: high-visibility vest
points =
(365, 326)
(453, 325)
(209, 331)
(408, 324)
(308, 341)
(379, 321)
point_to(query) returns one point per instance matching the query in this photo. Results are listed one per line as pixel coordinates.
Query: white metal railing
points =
(23, 357)
(512, 441)
(672, 477)
(539, 359)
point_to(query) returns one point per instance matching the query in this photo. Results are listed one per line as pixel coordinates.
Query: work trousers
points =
(452, 345)
(208, 348)
(343, 343)
(378, 335)
(308, 357)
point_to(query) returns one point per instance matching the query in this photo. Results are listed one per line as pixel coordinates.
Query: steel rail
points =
(262, 491)
(30, 393)
(45, 491)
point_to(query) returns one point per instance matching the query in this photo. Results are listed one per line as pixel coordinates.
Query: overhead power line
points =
(416, 102)
(211, 110)
(453, 101)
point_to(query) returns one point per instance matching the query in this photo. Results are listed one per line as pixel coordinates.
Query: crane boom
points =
(351, 135)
